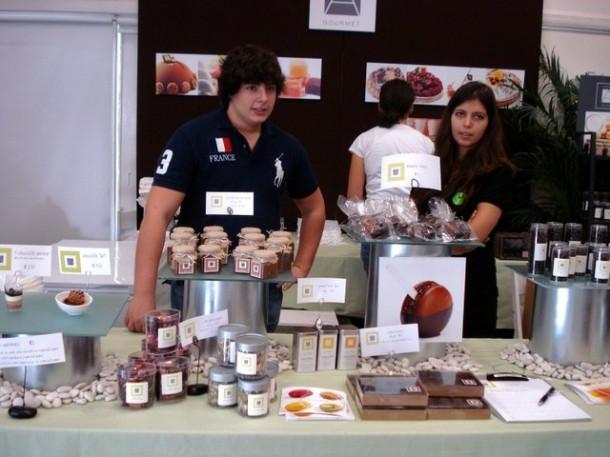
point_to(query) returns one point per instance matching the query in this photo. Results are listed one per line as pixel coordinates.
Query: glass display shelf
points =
(577, 282)
(226, 273)
(409, 241)
(41, 315)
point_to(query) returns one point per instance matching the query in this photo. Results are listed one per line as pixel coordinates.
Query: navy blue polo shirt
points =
(207, 154)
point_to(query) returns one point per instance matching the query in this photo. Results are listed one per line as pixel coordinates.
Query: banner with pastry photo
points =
(435, 84)
(186, 74)
(594, 113)
(303, 77)
(197, 75)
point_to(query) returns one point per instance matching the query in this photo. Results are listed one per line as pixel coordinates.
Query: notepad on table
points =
(518, 402)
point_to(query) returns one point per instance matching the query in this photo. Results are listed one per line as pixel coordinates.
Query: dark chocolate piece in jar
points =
(253, 239)
(560, 261)
(184, 259)
(242, 258)
(600, 272)
(209, 258)
(253, 397)
(222, 387)
(264, 264)
(222, 240)
(172, 377)
(226, 343)
(162, 330)
(284, 247)
(137, 385)
(251, 356)
(538, 241)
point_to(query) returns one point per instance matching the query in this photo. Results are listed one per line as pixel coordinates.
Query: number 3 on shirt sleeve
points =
(166, 158)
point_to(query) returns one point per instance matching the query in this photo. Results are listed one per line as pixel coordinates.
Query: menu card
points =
(518, 402)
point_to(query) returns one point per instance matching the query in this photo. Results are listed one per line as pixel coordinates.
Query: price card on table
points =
(30, 260)
(389, 340)
(95, 261)
(202, 327)
(32, 350)
(321, 290)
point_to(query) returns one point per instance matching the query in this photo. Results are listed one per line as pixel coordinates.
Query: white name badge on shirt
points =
(389, 340)
(230, 203)
(411, 171)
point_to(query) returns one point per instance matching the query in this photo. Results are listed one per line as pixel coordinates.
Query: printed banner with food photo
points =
(197, 74)
(187, 74)
(428, 127)
(598, 122)
(434, 85)
(303, 77)
(427, 291)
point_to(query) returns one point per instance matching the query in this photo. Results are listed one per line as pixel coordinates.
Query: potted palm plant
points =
(545, 148)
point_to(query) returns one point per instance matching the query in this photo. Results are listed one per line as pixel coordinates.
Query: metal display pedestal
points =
(402, 248)
(243, 296)
(571, 325)
(246, 303)
(426, 350)
(570, 320)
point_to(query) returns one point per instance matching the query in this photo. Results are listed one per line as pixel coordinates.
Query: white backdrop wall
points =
(579, 32)
(67, 123)
(68, 104)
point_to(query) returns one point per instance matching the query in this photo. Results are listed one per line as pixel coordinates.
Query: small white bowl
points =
(72, 310)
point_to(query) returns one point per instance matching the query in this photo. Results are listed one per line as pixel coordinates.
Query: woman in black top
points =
(477, 183)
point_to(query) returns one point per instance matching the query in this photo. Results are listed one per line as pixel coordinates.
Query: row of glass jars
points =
(559, 252)
(243, 377)
(261, 257)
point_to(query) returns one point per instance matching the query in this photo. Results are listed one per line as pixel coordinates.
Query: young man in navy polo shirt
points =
(236, 152)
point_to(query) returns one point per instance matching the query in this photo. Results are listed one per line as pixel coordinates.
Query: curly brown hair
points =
(248, 64)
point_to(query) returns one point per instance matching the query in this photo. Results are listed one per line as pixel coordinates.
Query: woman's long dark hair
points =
(459, 174)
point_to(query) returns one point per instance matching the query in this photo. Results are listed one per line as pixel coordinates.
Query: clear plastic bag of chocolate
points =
(354, 209)
(403, 213)
(376, 224)
(368, 218)
(421, 230)
(448, 226)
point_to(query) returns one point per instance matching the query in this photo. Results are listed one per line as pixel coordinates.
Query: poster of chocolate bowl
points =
(427, 291)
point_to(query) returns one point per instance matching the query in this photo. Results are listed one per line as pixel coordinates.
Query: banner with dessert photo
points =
(197, 75)
(427, 126)
(594, 113)
(303, 77)
(186, 74)
(599, 123)
(427, 291)
(434, 85)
